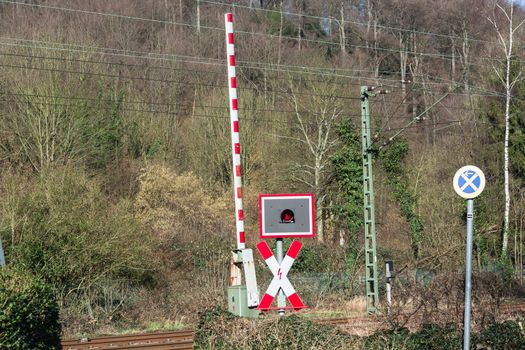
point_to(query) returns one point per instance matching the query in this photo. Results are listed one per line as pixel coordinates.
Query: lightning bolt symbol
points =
(279, 273)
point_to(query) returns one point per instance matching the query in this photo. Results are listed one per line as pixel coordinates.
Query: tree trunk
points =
(453, 61)
(280, 37)
(504, 243)
(403, 59)
(198, 16)
(466, 67)
(368, 23)
(508, 83)
(342, 33)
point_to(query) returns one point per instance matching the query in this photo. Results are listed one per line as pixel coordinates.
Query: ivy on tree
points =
(348, 174)
(392, 160)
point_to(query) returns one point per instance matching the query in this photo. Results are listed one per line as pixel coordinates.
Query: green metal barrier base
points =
(238, 302)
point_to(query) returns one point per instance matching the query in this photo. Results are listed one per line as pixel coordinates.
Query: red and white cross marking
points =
(280, 279)
(234, 121)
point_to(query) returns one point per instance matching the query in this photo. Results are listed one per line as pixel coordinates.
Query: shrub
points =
(64, 229)
(396, 338)
(177, 205)
(430, 337)
(218, 329)
(506, 335)
(435, 337)
(309, 258)
(28, 312)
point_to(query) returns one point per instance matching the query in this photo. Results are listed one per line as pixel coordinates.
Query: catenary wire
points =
(249, 118)
(161, 80)
(243, 64)
(77, 98)
(224, 86)
(421, 54)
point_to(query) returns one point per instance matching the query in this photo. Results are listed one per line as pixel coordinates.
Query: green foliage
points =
(101, 128)
(66, 101)
(348, 197)
(310, 257)
(298, 333)
(492, 112)
(28, 312)
(504, 266)
(309, 28)
(218, 329)
(206, 327)
(349, 177)
(482, 245)
(434, 337)
(392, 161)
(430, 336)
(273, 22)
(65, 230)
(395, 338)
(498, 336)
(502, 336)
(208, 252)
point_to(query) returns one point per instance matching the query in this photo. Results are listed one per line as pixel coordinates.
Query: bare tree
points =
(406, 19)
(506, 43)
(372, 39)
(316, 115)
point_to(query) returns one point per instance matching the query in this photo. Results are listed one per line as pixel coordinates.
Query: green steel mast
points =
(371, 282)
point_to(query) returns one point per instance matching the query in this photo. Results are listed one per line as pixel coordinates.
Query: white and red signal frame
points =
(263, 232)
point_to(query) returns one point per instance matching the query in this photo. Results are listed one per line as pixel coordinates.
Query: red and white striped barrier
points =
(234, 121)
(280, 279)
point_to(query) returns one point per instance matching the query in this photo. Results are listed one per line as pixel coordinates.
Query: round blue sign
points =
(469, 181)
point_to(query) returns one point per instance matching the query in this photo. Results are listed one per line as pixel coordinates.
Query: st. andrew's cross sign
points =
(280, 279)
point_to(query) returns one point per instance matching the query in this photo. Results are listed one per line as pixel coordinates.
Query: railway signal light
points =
(287, 216)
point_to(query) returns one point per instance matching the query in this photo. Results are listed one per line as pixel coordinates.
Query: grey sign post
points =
(2, 258)
(389, 268)
(281, 303)
(469, 182)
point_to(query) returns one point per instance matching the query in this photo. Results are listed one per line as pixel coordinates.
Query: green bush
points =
(396, 338)
(311, 255)
(28, 312)
(430, 337)
(500, 336)
(218, 329)
(435, 337)
(64, 229)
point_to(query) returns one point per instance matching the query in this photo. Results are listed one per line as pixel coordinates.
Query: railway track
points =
(182, 340)
(363, 321)
(179, 340)
(512, 308)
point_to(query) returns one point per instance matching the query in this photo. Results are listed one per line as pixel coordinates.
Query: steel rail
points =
(158, 341)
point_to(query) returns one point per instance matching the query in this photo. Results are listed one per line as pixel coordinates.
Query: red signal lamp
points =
(287, 216)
